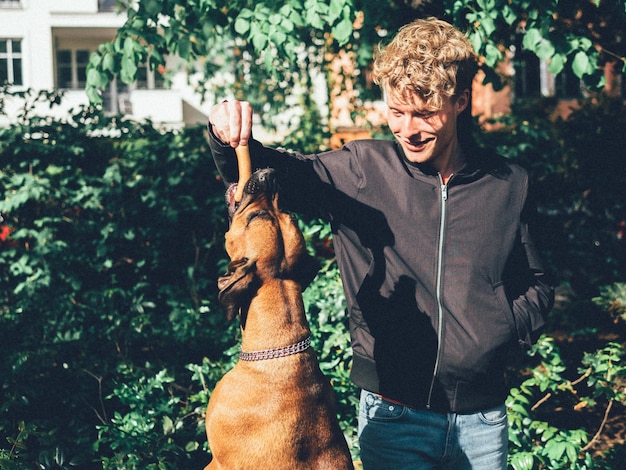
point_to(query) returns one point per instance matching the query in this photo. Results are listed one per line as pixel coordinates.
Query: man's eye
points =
(424, 115)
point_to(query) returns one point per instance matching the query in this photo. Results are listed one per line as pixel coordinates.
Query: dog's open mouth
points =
(261, 181)
(230, 199)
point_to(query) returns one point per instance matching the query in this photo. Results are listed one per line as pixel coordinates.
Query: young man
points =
(432, 239)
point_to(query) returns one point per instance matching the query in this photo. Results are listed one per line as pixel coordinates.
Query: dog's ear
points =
(237, 287)
(305, 270)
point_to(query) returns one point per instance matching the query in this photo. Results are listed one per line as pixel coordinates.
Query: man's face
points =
(426, 136)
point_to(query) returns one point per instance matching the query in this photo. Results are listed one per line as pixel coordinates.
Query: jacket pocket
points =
(526, 312)
(518, 327)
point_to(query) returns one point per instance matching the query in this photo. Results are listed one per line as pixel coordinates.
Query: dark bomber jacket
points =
(439, 280)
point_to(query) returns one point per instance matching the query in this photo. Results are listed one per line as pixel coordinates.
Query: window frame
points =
(14, 61)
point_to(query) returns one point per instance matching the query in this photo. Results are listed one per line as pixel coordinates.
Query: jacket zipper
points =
(442, 228)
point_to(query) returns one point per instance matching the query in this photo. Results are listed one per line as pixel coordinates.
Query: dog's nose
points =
(263, 180)
(265, 175)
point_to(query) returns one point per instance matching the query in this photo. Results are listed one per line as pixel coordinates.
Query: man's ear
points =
(462, 101)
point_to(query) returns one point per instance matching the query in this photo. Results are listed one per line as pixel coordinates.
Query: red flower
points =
(621, 231)
(5, 231)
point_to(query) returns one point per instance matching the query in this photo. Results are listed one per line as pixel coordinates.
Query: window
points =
(11, 61)
(64, 69)
(9, 3)
(527, 78)
(532, 78)
(72, 71)
(106, 5)
(72, 68)
(115, 98)
(148, 79)
(567, 85)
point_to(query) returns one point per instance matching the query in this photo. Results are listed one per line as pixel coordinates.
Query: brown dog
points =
(274, 409)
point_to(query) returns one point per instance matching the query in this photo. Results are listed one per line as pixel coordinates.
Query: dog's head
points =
(263, 242)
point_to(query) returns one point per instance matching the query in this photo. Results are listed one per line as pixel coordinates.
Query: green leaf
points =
(277, 37)
(488, 25)
(555, 450)
(108, 63)
(531, 39)
(168, 425)
(296, 18)
(93, 95)
(95, 59)
(580, 64)
(153, 7)
(242, 25)
(259, 41)
(522, 461)
(314, 18)
(192, 446)
(343, 30)
(97, 79)
(287, 25)
(571, 452)
(492, 54)
(335, 9)
(129, 47)
(128, 70)
(545, 50)
(557, 62)
(246, 13)
(184, 47)
(262, 13)
(509, 15)
(477, 40)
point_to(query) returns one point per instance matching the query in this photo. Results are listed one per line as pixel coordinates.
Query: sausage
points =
(245, 169)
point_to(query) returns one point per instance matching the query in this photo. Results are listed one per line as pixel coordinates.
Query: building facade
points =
(46, 44)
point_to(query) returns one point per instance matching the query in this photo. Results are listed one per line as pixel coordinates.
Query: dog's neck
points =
(275, 317)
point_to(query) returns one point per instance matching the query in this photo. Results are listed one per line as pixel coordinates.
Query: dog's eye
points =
(260, 213)
(232, 267)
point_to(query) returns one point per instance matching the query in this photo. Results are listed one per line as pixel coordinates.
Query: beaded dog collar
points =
(277, 352)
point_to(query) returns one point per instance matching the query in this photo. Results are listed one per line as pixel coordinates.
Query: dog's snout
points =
(263, 180)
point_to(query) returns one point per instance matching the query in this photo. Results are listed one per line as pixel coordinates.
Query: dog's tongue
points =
(230, 199)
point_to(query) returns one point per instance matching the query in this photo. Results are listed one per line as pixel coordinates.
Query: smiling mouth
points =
(417, 145)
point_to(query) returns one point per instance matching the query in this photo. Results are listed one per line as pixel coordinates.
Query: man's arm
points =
(530, 291)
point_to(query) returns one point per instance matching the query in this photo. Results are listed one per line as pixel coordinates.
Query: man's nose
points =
(411, 125)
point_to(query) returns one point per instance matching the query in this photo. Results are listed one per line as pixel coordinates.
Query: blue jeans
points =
(397, 437)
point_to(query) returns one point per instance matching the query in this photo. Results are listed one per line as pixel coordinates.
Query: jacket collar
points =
(479, 162)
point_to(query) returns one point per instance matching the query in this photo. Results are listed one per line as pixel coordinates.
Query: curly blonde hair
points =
(428, 58)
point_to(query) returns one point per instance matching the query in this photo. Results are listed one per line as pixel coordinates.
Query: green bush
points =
(612, 299)
(535, 440)
(577, 167)
(108, 275)
(560, 405)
